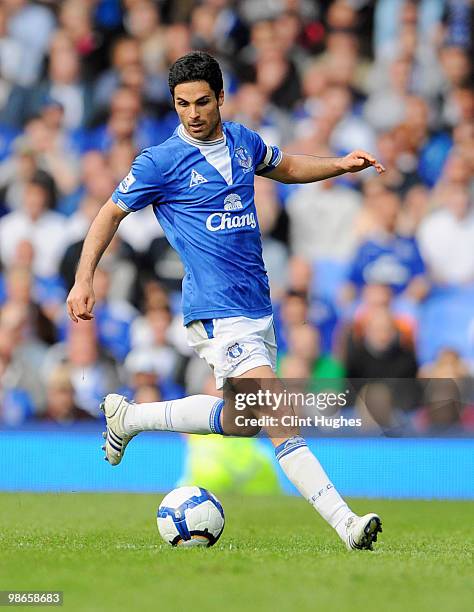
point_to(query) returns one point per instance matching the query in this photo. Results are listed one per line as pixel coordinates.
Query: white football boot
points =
(114, 408)
(361, 531)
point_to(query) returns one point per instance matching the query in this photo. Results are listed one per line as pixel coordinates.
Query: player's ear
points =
(220, 98)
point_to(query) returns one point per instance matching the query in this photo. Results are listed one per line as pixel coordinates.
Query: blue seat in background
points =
(446, 320)
(7, 136)
(328, 277)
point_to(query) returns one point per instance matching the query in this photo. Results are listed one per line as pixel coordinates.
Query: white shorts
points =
(234, 345)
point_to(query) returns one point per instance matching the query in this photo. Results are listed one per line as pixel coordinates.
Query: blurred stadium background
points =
(372, 277)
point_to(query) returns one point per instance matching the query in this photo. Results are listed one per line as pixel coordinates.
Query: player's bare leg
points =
(204, 414)
(304, 470)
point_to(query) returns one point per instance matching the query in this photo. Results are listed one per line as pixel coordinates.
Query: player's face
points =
(198, 109)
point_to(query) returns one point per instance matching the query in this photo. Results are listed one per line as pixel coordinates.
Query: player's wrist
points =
(84, 279)
(340, 165)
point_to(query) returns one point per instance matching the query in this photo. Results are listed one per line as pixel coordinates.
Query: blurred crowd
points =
(371, 276)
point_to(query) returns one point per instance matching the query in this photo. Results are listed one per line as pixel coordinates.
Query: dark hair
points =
(46, 182)
(196, 66)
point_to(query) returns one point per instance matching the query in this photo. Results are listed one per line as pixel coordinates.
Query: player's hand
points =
(80, 301)
(360, 160)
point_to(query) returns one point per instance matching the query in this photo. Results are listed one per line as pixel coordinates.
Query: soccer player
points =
(200, 183)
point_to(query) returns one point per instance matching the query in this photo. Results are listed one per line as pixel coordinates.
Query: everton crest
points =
(244, 159)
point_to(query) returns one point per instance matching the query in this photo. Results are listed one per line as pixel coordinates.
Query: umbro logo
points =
(196, 178)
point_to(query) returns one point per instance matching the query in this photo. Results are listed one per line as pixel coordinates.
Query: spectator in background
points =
(150, 337)
(75, 17)
(456, 173)
(293, 311)
(304, 342)
(44, 292)
(455, 66)
(446, 238)
(278, 79)
(125, 52)
(350, 130)
(143, 368)
(23, 290)
(113, 317)
(380, 353)
(415, 206)
(385, 107)
(65, 84)
(37, 223)
(147, 393)
(342, 62)
(119, 257)
(322, 217)
(387, 258)
(275, 253)
(374, 298)
(422, 149)
(396, 177)
(126, 122)
(93, 372)
(128, 70)
(252, 108)
(96, 185)
(459, 107)
(392, 15)
(31, 26)
(60, 405)
(335, 106)
(292, 367)
(142, 23)
(177, 41)
(376, 407)
(314, 82)
(22, 354)
(289, 31)
(203, 27)
(15, 172)
(119, 158)
(443, 408)
(448, 364)
(463, 136)
(11, 55)
(53, 147)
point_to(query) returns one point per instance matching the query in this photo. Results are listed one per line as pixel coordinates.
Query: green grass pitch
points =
(104, 552)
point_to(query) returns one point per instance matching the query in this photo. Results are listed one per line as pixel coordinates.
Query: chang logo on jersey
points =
(233, 202)
(226, 221)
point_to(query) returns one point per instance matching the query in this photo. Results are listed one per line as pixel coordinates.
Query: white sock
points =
(195, 414)
(306, 473)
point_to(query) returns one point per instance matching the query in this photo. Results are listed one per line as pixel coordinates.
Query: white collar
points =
(199, 143)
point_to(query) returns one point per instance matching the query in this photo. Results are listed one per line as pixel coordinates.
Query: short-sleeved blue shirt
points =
(202, 194)
(393, 261)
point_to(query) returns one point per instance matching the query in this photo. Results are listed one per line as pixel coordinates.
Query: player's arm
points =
(81, 299)
(310, 168)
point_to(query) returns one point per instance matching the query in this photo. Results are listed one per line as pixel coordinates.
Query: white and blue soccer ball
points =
(190, 516)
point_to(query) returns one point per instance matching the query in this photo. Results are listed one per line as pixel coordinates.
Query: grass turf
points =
(104, 552)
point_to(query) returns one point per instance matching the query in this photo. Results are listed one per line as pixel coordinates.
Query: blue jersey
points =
(202, 194)
(393, 261)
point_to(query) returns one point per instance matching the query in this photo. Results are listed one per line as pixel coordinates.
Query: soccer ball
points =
(190, 516)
